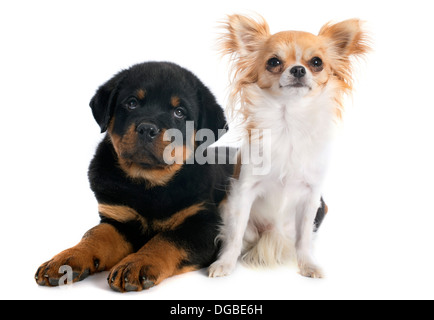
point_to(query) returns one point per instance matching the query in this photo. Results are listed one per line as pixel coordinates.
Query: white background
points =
(377, 241)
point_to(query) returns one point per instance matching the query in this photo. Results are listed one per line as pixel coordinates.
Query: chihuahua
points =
(291, 84)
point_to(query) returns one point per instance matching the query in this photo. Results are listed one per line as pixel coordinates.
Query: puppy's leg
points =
(159, 259)
(100, 249)
(189, 247)
(236, 216)
(306, 213)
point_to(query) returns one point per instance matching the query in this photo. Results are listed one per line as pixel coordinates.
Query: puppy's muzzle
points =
(148, 131)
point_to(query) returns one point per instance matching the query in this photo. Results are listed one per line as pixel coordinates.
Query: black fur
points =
(193, 184)
(139, 105)
(145, 215)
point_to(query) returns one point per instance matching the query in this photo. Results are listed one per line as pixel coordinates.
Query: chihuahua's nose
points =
(148, 130)
(298, 71)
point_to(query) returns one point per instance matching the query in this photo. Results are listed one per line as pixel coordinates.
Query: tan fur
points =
(121, 214)
(154, 177)
(178, 218)
(100, 249)
(127, 144)
(158, 260)
(250, 45)
(163, 258)
(175, 101)
(141, 93)
(237, 169)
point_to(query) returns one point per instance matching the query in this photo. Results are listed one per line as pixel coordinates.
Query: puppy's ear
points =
(346, 38)
(104, 100)
(244, 35)
(211, 114)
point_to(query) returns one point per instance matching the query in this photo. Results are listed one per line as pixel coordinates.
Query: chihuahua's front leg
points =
(305, 221)
(236, 214)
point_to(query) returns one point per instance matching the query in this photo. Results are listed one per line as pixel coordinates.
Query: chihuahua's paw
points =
(221, 268)
(310, 270)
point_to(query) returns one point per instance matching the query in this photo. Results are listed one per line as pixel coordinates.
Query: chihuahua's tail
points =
(272, 249)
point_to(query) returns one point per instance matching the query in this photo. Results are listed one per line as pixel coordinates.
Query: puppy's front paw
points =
(133, 274)
(221, 268)
(81, 263)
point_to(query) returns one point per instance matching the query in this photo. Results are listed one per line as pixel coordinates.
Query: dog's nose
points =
(148, 130)
(298, 71)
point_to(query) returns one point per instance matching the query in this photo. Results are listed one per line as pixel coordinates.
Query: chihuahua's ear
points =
(244, 35)
(346, 38)
(104, 100)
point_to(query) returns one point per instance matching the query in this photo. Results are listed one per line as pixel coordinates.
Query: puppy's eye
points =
(179, 113)
(274, 62)
(316, 62)
(131, 104)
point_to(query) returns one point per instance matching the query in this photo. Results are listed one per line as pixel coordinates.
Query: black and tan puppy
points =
(157, 219)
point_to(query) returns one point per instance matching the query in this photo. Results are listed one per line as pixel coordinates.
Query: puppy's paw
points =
(221, 268)
(81, 263)
(133, 274)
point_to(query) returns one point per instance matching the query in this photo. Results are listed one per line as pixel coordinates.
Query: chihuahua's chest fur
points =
(297, 152)
(299, 129)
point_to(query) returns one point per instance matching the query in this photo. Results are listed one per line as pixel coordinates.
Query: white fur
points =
(269, 218)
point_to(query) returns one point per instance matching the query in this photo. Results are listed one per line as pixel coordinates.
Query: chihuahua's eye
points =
(274, 62)
(131, 104)
(179, 113)
(274, 65)
(316, 62)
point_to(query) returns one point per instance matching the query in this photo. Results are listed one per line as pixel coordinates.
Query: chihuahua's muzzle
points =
(298, 72)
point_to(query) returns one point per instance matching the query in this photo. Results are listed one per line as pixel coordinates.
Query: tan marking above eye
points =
(175, 101)
(141, 93)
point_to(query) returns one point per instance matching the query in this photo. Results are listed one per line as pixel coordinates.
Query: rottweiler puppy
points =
(158, 219)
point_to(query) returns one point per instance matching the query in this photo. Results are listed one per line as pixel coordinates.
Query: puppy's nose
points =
(148, 130)
(298, 71)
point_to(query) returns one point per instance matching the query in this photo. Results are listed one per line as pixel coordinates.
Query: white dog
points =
(290, 85)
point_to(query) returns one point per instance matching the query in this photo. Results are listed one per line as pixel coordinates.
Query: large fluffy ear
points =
(211, 114)
(244, 35)
(346, 38)
(243, 40)
(103, 102)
